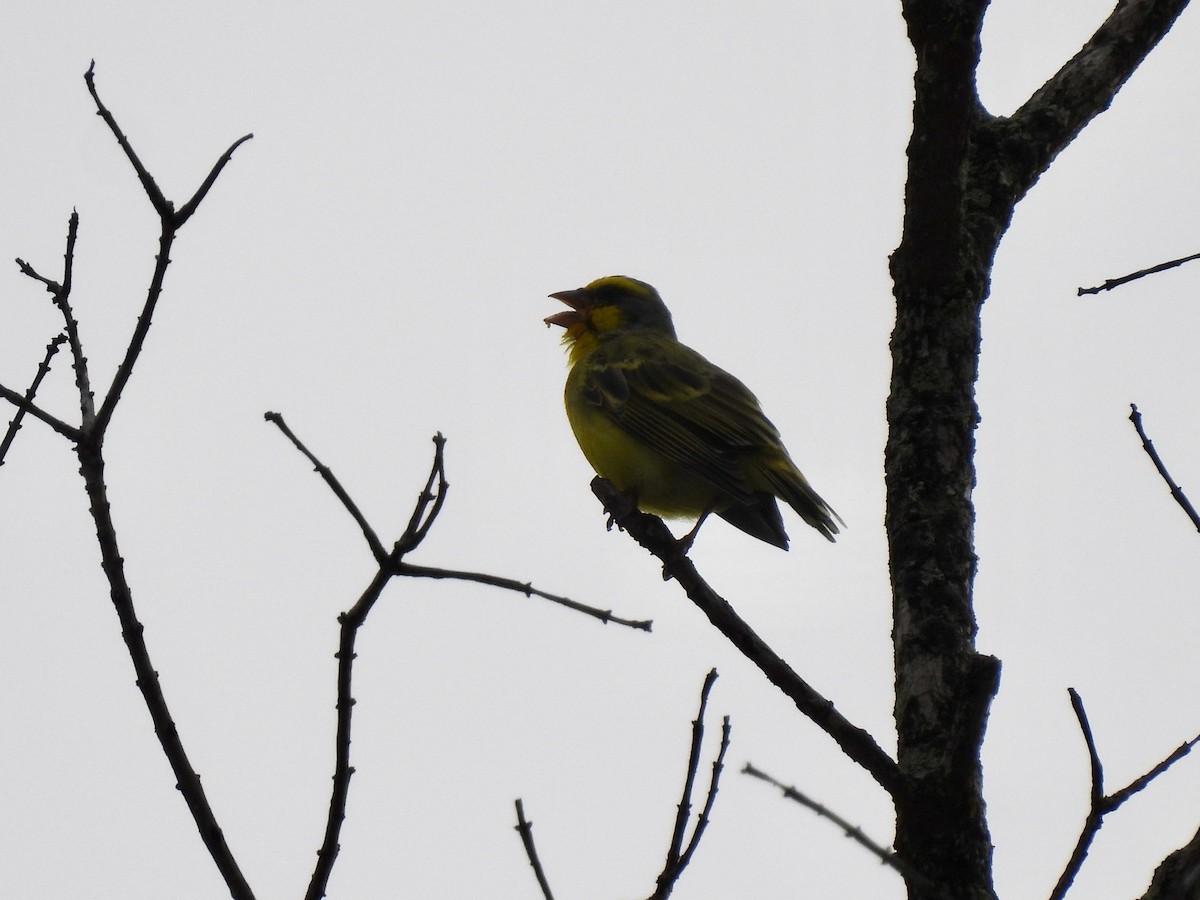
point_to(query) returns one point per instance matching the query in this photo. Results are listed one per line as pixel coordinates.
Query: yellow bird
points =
(660, 421)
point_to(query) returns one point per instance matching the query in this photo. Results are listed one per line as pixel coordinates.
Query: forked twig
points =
(1102, 804)
(390, 564)
(170, 222)
(349, 622)
(88, 439)
(677, 856)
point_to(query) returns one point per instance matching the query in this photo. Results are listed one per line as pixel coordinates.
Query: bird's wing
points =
(677, 402)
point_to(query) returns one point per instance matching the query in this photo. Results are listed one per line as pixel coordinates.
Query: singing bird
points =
(661, 422)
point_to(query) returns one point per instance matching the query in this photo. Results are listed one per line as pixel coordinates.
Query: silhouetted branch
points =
(522, 587)
(1134, 276)
(651, 533)
(43, 370)
(525, 829)
(330, 479)
(854, 832)
(1102, 804)
(677, 856)
(164, 207)
(1176, 491)
(61, 294)
(349, 623)
(89, 441)
(428, 505)
(170, 223)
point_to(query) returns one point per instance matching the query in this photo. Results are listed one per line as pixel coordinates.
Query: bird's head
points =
(608, 304)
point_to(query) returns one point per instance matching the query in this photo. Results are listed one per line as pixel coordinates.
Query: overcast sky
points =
(374, 265)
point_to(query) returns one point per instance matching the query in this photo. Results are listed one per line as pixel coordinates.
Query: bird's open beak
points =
(577, 314)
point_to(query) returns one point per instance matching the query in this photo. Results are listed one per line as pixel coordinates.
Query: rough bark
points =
(967, 170)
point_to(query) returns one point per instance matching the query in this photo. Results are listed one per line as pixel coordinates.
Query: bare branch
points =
(854, 832)
(1134, 276)
(186, 211)
(677, 857)
(705, 816)
(349, 624)
(163, 206)
(429, 504)
(88, 440)
(91, 466)
(1176, 491)
(521, 587)
(61, 293)
(525, 829)
(70, 432)
(43, 370)
(170, 223)
(1102, 804)
(1085, 85)
(377, 549)
(651, 533)
(684, 810)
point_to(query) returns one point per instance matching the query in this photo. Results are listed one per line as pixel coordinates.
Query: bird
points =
(679, 434)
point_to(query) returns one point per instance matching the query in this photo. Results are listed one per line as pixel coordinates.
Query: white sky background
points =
(375, 264)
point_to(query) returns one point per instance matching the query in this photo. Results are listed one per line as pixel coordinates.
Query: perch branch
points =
(651, 533)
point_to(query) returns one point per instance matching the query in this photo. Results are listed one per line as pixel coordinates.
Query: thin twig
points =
(684, 809)
(43, 370)
(162, 205)
(521, 587)
(377, 549)
(185, 211)
(677, 858)
(1134, 276)
(1102, 804)
(1176, 491)
(61, 293)
(653, 534)
(525, 828)
(854, 832)
(429, 503)
(705, 816)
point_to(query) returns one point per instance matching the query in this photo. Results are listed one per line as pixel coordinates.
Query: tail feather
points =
(760, 519)
(793, 488)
